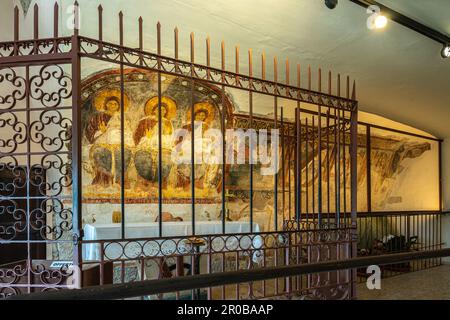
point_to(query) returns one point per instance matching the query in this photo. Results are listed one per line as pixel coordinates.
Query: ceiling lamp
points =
(380, 21)
(445, 53)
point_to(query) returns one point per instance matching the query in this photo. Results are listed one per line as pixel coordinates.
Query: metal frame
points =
(309, 231)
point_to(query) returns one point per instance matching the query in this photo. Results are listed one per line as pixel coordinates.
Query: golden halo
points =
(104, 96)
(151, 107)
(205, 107)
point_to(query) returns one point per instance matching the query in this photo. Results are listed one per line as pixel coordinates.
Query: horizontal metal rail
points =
(149, 287)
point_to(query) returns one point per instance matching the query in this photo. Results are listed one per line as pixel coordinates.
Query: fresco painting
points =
(392, 155)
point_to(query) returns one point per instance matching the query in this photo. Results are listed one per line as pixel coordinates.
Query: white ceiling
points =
(399, 73)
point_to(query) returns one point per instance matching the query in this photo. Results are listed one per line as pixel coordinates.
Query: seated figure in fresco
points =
(206, 174)
(104, 133)
(146, 140)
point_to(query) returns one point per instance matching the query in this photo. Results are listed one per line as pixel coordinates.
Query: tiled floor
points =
(430, 284)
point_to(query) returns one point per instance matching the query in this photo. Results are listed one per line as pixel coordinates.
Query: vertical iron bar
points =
(282, 165)
(28, 181)
(354, 182)
(122, 137)
(440, 174)
(76, 149)
(337, 170)
(290, 150)
(160, 177)
(224, 111)
(344, 165)
(328, 166)
(299, 152)
(296, 168)
(275, 116)
(369, 167)
(192, 134)
(319, 158)
(312, 136)
(307, 168)
(328, 151)
(251, 146)
(313, 168)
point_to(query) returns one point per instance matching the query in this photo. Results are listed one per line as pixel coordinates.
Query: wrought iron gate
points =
(41, 160)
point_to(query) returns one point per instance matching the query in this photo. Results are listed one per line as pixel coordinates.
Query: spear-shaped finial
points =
(319, 80)
(237, 59)
(263, 65)
(175, 34)
(121, 27)
(287, 71)
(208, 51)
(36, 21)
(354, 90)
(192, 48)
(100, 22)
(16, 23)
(222, 54)
(329, 82)
(76, 17)
(141, 36)
(55, 19)
(275, 69)
(309, 77)
(158, 38)
(208, 57)
(250, 62)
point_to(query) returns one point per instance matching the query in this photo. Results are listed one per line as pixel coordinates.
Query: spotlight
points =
(380, 22)
(445, 53)
(331, 4)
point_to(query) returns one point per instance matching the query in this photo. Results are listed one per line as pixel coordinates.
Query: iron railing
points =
(142, 288)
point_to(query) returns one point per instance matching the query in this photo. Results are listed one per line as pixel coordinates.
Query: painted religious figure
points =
(147, 141)
(104, 133)
(206, 174)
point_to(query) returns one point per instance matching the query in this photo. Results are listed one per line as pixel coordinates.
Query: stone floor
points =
(430, 284)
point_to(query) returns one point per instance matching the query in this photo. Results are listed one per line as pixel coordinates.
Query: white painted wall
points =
(446, 193)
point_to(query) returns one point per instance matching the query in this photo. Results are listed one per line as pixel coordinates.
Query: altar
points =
(182, 229)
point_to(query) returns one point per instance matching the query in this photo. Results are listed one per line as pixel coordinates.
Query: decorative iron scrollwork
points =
(15, 94)
(43, 131)
(16, 217)
(14, 133)
(61, 216)
(52, 175)
(14, 176)
(51, 76)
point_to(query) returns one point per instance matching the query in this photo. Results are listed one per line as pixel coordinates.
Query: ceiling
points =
(399, 73)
